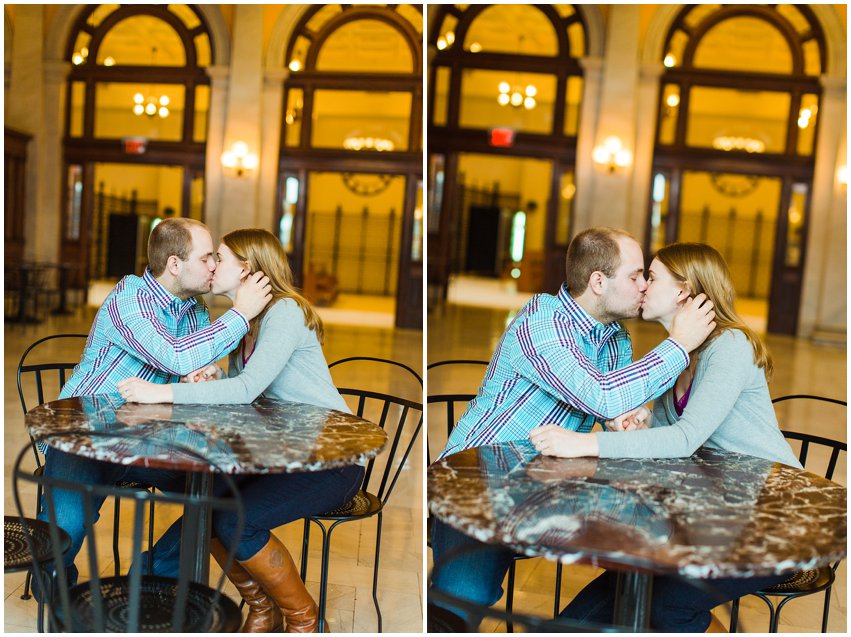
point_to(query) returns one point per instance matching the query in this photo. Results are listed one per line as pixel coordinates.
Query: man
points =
(565, 360)
(151, 327)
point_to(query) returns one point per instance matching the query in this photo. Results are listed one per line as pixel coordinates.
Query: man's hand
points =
(136, 390)
(210, 372)
(253, 294)
(638, 418)
(552, 440)
(693, 322)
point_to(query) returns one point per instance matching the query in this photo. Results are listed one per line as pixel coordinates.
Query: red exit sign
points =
(502, 137)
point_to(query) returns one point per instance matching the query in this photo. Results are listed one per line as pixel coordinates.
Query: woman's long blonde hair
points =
(706, 272)
(263, 252)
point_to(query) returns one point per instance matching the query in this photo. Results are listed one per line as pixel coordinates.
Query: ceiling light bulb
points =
(164, 101)
(531, 91)
(163, 111)
(84, 52)
(803, 122)
(450, 37)
(77, 58)
(151, 108)
(475, 47)
(673, 100)
(138, 109)
(504, 87)
(670, 60)
(109, 61)
(529, 103)
(503, 99)
(295, 66)
(516, 98)
(441, 43)
(138, 98)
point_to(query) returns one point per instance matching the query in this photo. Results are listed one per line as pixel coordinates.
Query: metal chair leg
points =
(375, 572)
(734, 615)
(826, 608)
(509, 595)
(557, 600)
(323, 575)
(115, 526)
(305, 545)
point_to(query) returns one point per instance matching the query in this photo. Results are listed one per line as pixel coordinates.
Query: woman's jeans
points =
(476, 575)
(69, 504)
(675, 605)
(270, 501)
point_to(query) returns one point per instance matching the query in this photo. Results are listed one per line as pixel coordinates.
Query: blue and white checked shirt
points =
(143, 330)
(556, 364)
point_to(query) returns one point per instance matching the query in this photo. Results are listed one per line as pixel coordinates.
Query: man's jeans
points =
(675, 605)
(270, 501)
(69, 505)
(476, 573)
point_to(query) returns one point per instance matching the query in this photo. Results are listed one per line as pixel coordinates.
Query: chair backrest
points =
(59, 364)
(825, 451)
(85, 607)
(449, 406)
(401, 418)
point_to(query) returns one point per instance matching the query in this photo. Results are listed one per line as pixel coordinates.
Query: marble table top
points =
(266, 436)
(716, 514)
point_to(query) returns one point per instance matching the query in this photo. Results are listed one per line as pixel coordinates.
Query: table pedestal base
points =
(632, 601)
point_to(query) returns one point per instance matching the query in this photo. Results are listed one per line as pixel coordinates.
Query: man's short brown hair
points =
(170, 237)
(592, 250)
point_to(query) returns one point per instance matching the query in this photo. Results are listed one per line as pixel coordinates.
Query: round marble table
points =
(715, 514)
(265, 436)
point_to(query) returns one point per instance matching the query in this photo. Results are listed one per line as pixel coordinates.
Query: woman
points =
(280, 357)
(721, 400)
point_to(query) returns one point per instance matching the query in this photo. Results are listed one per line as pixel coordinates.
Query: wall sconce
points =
(842, 175)
(239, 159)
(612, 154)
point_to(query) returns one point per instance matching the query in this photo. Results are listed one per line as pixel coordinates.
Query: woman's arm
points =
(724, 372)
(280, 333)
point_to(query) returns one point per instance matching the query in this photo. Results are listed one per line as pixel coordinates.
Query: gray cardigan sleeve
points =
(725, 369)
(279, 335)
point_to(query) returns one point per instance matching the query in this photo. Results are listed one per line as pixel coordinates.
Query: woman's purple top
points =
(681, 402)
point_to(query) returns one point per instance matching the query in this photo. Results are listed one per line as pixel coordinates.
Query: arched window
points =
(753, 64)
(735, 146)
(355, 80)
(138, 71)
(514, 66)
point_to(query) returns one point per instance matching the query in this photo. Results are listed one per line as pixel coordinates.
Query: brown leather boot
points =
(274, 568)
(263, 613)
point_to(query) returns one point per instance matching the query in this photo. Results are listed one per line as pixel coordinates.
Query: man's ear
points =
(597, 283)
(173, 265)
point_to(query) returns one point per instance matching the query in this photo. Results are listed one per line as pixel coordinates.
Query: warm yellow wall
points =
(162, 183)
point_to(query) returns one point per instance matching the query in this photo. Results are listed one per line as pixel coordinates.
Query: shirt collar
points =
(164, 298)
(587, 324)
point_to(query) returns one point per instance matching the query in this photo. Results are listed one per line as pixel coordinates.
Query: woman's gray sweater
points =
(729, 408)
(287, 364)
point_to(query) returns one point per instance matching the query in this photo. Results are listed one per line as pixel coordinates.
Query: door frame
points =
(785, 289)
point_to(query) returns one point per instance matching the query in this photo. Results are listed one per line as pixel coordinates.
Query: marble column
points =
(823, 300)
(270, 125)
(51, 164)
(610, 204)
(24, 111)
(239, 207)
(213, 176)
(592, 77)
(647, 112)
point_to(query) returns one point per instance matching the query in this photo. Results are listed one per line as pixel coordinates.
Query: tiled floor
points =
(350, 606)
(468, 332)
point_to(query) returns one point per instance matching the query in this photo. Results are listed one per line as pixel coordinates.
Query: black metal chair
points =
(56, 373)
(812, 581)
(402, 419)
(133, 602)
(449, 403)
(16, 550)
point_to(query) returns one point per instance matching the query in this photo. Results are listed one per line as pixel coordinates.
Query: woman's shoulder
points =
(729, 347)
(283, 311)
